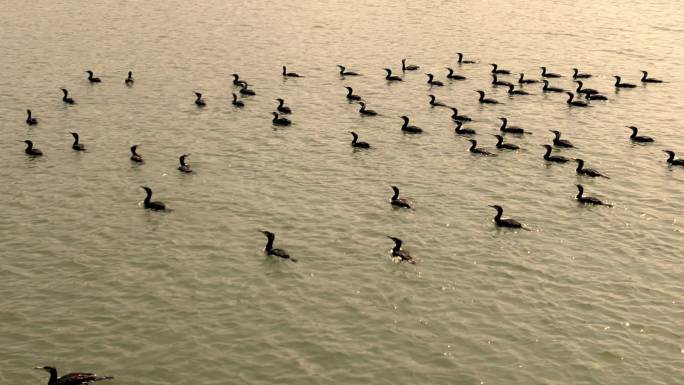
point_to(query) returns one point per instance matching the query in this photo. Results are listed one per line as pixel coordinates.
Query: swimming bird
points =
(508, 222)
(459, 118)
(548, 74)
(646, 79)
(619, 84)
(497, 82)
(199, 101)
(478, 151)
(365, 112)
(577, 75)
(553, 158)
(575, 103)
(433, 82)
(344, 72)
(496, 70)
(149, 204)
(183, 166)
(391, 78)
(435, 103)
(280, 121)
(244, 89)
(581, 90)
(30, 150)
(461, 61)
(588, 200)
(504, 146)
(66, 99)
(453, 76)
(355, 143)
(236, 102)
(410, 67)
(639, 138)
(595, 97)
(587, 171)
(76, 146)
(511, 129)
(270, 250)
(513, 91)
(484, 100)
(521, 80)
(30, 120)
(410, 129)
(548, 88)
(398, 202)
(671, 159)
(282, 108)
(558, 142)
(72, 378)
(237, 81)
(129, 80)
(463, 131)
(290, 74)
(91, 78)
(134, 155)
(350, 94)
(400, 255)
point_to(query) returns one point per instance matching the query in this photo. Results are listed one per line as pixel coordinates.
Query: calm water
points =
(91, 281)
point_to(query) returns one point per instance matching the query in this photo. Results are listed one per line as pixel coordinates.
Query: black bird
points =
(484, 100)
(134, 155)
(459, 118)
(433, 82)
(129, 80)
(463, 131)
(435, 103)
(513, 91)
(453, 76)
(496, 70)
(183, 166)
(575, 103)
(91, 78)
(30, 120)
(30, 150)
(548, 74)
(589, 200)
(72, 378)
(508, 222)
(478, 151)
(344, 72)
(521, 80)
(587, 171)
(237, 81)
(577, 75)
(410, 129)
(619, 84)
(639, 138)
(595, 97)
(391, 78)
(350, 94)
(511, 129)
(280, 121)
(355, 143)
(398, 202)
(461, 61)
(290, 74)
(244, 90)
(364, 111)
(504, 146)
(66, 99)
(282, 108)
(581, 90)
(548, 88)
(646, 79)
(558, 142)
(552, 158)
(199, 101)
(410, 67)
(269, 250)
(236, 102)
(671, 159)
(497, 82)
(76, 146)
(400, 255)
(155, 206)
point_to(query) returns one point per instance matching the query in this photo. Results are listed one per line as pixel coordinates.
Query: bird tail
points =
(102, 378)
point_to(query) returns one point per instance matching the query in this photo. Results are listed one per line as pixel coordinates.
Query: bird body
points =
(270, 250)
(620, 84)
(183, 167)
(30, 150)
(408, 128)
(510, 129)
(278, 121)
(638, 138)
(546, 74)
(149, 204)
(574, 103)
(134, 155)
(31, 121)
(453, 76)
(435, 103)
(398, 202)
(400, 255)
(392, 78)
(366, 112)
(344, 72)
(409, 67)
(646, 79)
(76, 146)
(508, 222)
(91, 78)
(548, 88)
(199, 101)
(290, 74)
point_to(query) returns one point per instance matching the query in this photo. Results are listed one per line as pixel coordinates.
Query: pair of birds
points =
(33, 151)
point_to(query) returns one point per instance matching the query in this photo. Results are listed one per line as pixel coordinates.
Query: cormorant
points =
(435, 103)
(157, 205)
(513, 91)
(391, 78)
(30, 120)
(511, 129)
(134, 155)
(595, 97)
(433, 82)
(508, 222)
(269, 250)
(129, 80)
(410, 129)
(364, 111)
(504, 146)
(497, 82)
(463, 131)
(282, 108)
(671, 159)
(410, 67)
(496, 70)
(399, 255)
(484, 100)
(350, 94)
(30, 150)
(453, 76)
(244, 90)
(461, 61)
(76, 146)
(577, 75)
(355, 143)
(552, 158)
(91, 78)
(548, 74)
(581, 90)
(236, 102)
(66, 99)
(588, 200)
(290, 74)
(280, 121)
(478, 151)
(184, 167)
(547, 88)
(587, 171)
(72, 378)
(521, 80)
(619, 84)
(646, 79)
(459, 118)
(575, 103)
(199, 101)
(398, 202)
(558, 142)
(639, 138)
(344, 72)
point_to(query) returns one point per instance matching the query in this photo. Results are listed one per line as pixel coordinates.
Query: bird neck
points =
(645, 75)
(472, 145)
(53, 377)
(548, 152)
(634, 133)
(280, 103)
(570, 97)
(580, 191)
(148, 197)
(670, 157)
(504, 122)
(269, 243)
(395, 195)
(406, 121)
(580, 165)
(499, 213)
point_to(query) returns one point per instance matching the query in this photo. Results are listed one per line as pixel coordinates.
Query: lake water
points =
(90, 281)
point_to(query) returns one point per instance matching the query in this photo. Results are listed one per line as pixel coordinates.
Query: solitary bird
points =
(553, 158)
(31, 121)
(183, 166)
(508, 222)
(620, 84)
(30, 150)
(588, 200)
(548, 74)
(149, 204)
(72, 378)
(290, 74)
(639, 138)
(478, 151)
(435, 103)
(355, 143)
(409, 67)
(582, 90)
(575, 103)
(484, 100)
(513, 91)
(496, 70)
(399, 255)
(548, 88)
(504, 146)
(244, 89)
(76, 146)
(350, 94)
(459, 118)
(578, 75)
(344, 72)
(280, 121)
(270, 250)
(236, 102)
(521, 80)
(463, 131)
(558, 142)
(398, 202)
(392, 78)
(129, 79)
(453, 76)
(511, 129)
(408, 128)
(433, 82)
(91, 78)
(671, 159)
(66, 99)
(646, 79)
(134, 154)
(461, 61)
(366, 112)
(282, 108)
(587, 171)
(199, 101)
